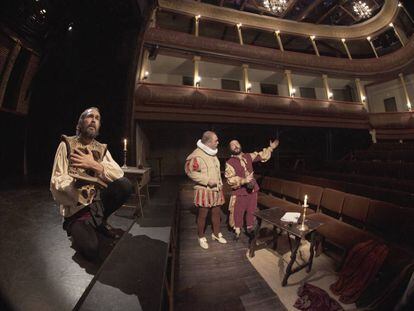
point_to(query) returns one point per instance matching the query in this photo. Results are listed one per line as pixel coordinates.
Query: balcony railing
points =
(229, 106)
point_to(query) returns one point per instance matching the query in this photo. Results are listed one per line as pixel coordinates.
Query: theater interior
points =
(331, 81)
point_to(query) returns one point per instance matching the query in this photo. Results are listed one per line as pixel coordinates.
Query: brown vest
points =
(86, 180)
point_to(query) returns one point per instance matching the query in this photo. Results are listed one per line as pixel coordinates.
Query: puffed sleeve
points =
(112, 171)
(262, 156)
(233, 181)
(196, 169)
(61, 184)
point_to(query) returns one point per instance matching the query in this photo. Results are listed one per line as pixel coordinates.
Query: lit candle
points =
(125, 144)
(305, 202)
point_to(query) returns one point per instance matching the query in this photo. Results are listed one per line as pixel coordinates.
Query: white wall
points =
(377, 93)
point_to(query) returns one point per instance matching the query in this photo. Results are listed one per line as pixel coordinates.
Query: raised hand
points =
(274, 144)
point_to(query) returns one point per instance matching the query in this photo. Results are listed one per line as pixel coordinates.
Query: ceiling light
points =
(275, 6)
(362, 10)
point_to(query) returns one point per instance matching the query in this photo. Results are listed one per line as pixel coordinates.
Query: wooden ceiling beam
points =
(289, 8)
(328, 13)
(308, 10)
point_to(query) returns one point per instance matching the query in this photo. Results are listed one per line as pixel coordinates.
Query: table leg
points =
(275, 237)
(311, 251)
(292, 261)
(254, 239)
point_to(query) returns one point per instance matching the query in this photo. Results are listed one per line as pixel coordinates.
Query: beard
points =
(89, 132)
(236, 151)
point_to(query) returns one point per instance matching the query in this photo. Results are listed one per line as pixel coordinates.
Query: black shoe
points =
(106, 230)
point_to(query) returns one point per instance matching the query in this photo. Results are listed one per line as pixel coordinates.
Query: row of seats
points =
(383, 219)
(392, 146)
(384, 155)
(402, 185)
(373, 168)
(350, 219)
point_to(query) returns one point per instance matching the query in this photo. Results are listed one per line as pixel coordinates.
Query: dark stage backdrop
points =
(92, 64)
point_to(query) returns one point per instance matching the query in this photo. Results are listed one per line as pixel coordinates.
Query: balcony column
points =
(144, 73)
(240, 33)
(400, 5)
(372, 47)
(361, 93)
(346, 48)
(279, 41)
(407, 97)
(197, 23)
(292, 91)
(329, 94)
(246, 83)
(197, 78)
(8, 69)
(315, 47)
(400, 35)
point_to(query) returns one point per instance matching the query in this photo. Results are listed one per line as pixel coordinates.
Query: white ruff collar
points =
(206, 149)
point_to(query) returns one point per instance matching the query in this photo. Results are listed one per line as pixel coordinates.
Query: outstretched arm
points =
(266, 153)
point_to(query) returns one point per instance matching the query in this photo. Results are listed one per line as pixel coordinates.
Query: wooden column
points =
(329, 94)
(197, 78)
(246, 83)
(407, 97)
(292, 91)
(240, 33)
(279, 41)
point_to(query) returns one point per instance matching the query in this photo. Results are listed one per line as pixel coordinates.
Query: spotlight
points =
(369, 38)
(391, 25)
(277, 32)
(343, 40)
(239, 25)
(312, 37)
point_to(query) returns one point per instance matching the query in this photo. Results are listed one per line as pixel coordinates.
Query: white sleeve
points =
(61, 184)
(112, 171)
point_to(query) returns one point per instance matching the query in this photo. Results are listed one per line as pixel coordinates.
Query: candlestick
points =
(125, 159)
(302, 226)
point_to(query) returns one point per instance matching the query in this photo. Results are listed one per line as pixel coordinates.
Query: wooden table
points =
(140, 178)
(273, 216)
